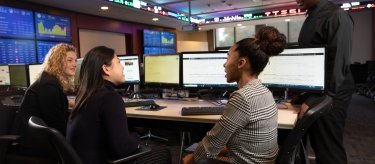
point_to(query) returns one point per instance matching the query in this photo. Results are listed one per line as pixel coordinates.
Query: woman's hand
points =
(188, 159)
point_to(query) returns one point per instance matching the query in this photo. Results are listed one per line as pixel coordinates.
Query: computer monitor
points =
(18, 75)
(204, 70)
(131, 68)
(162, 69)
(78, 70)
(34, 72)
(296, 68)
(4, 75)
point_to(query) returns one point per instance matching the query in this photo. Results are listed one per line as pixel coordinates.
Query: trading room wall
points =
(362, 36)
(92, 38)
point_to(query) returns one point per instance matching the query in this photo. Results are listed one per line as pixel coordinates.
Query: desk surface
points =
(286, 117)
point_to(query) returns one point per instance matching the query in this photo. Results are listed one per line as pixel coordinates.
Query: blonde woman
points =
(46, 98)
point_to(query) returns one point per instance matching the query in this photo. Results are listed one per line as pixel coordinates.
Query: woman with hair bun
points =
(247, 130)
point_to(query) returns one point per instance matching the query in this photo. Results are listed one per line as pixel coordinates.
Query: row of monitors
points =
(297, 68)
(294, 68)
(19, 75)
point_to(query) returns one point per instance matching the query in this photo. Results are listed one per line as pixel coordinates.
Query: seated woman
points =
(98, 127)
(46, 98)
(247, 130)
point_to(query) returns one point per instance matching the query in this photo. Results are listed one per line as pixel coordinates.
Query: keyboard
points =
(136, 103)
(216, 110)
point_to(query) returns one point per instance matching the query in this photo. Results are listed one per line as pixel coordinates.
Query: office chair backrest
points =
(64, 150)
(7, 116)
(291, 145)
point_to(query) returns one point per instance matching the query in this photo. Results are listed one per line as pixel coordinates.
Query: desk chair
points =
(292, 150)
(66, 153)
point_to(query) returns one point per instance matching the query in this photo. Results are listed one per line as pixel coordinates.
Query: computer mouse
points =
(153, 106)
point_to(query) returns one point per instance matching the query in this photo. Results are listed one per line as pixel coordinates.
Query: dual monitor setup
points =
(19, 75)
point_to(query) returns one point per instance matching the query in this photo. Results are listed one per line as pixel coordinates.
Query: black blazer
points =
(46, 99)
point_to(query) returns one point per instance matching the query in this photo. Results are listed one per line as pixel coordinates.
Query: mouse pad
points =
(147, 108)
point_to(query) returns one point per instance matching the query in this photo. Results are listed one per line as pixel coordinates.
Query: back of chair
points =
(64, 150)
(289, 149)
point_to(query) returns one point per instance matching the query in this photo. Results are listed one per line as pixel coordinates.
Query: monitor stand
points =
(136, 92)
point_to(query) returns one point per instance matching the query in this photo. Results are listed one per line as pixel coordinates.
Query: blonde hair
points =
(54, 64)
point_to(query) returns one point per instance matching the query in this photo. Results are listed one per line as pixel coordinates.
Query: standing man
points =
(327, 24)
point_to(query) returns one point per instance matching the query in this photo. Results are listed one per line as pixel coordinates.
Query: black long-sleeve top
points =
(327, 24)
(99, 131)
(46, 99)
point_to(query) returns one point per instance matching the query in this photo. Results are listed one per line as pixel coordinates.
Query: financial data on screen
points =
(204, 69)
(52, 27)
(131, 68)
(4, 75)
(34, 72)
(16, 23)
(298, 68)
(163, 69)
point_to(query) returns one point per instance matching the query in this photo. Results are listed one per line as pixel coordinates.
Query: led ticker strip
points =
(153, 9)
(231, 18)
(279, 13)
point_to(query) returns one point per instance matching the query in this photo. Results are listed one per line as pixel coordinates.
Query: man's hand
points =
(303, 110)
(188, 159)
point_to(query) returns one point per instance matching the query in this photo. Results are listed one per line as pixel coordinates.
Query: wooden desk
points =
(286, 117)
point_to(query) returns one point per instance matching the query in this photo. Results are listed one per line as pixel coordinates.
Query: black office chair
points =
(292, 150)
(66, 154)
(6, 121)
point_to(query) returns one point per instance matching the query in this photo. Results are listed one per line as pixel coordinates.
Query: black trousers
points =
(326, 134)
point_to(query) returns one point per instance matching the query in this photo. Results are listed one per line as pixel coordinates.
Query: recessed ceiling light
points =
(287, 20)
(104, 7)
(239, 24)
(155, 19)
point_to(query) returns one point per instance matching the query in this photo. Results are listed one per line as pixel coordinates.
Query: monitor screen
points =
(42, 48)
(15, 51)
(131, 68)
(18, 75)
(151, 38)
(204, 69)
(162, 69)
(168, 39)
(4, 75)
(296, 68)
(78, 70)
(16, 23)
(34, 72)
(168, 50)
(52, 27)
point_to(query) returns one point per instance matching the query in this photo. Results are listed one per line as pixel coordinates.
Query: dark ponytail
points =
(268, 42)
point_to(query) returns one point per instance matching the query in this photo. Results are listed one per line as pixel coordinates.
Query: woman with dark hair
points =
(247, 130)
(98, 128)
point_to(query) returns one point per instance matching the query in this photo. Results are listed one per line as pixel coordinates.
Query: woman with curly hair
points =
(46, 98)
(247, 130)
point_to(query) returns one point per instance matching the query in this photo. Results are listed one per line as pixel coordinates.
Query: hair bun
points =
(270, 40)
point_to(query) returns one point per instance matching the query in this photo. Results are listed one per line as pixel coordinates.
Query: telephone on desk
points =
(144, 104)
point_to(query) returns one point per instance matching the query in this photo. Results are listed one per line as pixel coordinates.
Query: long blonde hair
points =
(54, 64)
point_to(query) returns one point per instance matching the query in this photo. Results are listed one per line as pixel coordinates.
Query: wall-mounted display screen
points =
(168, 39)
(151, 50)
(157, 42)
(52, 27)
(151, 38)
(43, 48)
(14, 51)
(16, 23)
